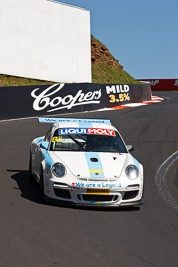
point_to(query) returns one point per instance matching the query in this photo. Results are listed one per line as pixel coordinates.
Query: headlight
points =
(132, 172)
(58, 169)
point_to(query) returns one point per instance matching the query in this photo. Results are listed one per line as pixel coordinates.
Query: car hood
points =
(93, 164)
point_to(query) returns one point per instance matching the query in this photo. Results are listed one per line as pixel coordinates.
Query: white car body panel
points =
(111, 167)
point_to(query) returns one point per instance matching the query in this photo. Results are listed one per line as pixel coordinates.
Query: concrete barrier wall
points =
(45, 40)
(45, 100)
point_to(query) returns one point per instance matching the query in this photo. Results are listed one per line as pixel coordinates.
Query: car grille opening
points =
(79, 197)
(98, 197)
(115, 198)
(130, 194)
(62, 193)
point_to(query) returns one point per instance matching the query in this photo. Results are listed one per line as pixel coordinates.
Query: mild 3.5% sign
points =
(121, 98)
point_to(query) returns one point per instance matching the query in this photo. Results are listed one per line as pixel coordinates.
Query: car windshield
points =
(104, 141)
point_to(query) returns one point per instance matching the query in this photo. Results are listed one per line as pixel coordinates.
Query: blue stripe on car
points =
(39, 140)
(97, 202)
(136, 163)
(85, 125)
(94, 165)
(48, 159)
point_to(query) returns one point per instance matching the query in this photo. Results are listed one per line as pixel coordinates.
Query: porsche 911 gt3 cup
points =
(85, 162)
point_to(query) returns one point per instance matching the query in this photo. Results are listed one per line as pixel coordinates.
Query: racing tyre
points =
(32, 177)
(41, 184)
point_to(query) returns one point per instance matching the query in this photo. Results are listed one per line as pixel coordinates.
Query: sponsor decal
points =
(51, 99)
(123, 91)
(154, 82)
(42, 119)
(98, 191)
(87, 131)
(120, 98)
(101, 131)
(176, 83)
(117, 89)
(73, 131)
(97, 185)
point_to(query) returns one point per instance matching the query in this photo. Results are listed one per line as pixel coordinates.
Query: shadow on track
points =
(29, 189)
(110, 209)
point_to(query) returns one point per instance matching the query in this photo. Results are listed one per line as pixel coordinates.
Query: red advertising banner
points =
(162, 84)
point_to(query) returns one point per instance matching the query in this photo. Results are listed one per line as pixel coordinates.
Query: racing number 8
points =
(56, 138)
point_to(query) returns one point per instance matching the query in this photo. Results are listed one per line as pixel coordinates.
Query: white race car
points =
(85, 162)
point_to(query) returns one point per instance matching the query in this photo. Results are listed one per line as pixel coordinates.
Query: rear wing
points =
(54, 120)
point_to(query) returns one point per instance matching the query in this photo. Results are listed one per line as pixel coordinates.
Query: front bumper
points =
(110, 195)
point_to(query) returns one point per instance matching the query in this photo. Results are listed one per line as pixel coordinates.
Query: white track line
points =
(161, 184)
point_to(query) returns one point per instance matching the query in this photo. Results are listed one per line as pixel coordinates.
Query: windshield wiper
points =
(78, 143)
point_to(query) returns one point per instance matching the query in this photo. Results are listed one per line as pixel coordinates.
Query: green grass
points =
(102, 73)
(7, 80)
(107, 69)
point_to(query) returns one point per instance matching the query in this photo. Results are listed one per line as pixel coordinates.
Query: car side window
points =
(120, 145)
(48, 135)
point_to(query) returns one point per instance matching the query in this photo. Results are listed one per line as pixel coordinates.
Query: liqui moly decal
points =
(51, 99)
(101, 131)
(73, 131)
(87, 131)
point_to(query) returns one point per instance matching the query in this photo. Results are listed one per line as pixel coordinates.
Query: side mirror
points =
(44, 145)
(130, 148)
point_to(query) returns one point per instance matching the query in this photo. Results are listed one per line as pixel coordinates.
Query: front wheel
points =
(32, 177)
(41, 184)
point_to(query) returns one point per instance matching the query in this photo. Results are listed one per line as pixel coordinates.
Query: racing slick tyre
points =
(41, 184)
(32, 177)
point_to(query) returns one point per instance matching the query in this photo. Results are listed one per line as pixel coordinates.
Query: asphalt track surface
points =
(35, 234)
